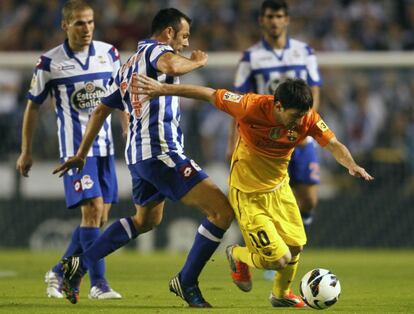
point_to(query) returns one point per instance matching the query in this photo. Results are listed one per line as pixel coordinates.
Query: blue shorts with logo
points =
(97, 179)
(304, 165)
(168, 176)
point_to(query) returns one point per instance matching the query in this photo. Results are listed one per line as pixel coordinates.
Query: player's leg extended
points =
(124, 230)
(304, 172)
(290, 227)
(207, 197)
(53, 277)
(265, 249)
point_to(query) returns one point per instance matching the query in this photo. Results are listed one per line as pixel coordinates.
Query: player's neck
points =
(76, 48)
(276, 42)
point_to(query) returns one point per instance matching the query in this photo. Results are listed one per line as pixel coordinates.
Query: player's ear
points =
(278, 106)
(64, 25)
(169, 32)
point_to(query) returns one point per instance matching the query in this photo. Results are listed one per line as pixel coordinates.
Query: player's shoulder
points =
(102, 46)
(301, 45)
(54, 55)
(247, 53)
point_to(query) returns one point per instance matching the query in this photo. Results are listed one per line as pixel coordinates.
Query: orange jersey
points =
(262, 155)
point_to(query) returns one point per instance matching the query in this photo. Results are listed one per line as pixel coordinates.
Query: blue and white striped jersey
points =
(262, 68)
(76, 85)
(154, 129)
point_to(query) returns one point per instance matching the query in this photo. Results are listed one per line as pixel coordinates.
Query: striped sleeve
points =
(244, 81)
(40, 84)
(157, 52)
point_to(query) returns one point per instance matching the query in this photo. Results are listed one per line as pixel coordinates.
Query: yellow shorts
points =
(269, 221)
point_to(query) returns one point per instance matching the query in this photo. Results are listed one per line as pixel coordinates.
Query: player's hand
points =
(24, 164)
(144, 85)
(199, 57)
(360, 172)
(71, 163)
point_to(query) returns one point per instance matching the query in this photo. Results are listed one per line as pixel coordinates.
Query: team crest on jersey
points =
(233, 97)
(292, 135)
(274, 133)
(87, 98)
(322, 126)
(101, 59)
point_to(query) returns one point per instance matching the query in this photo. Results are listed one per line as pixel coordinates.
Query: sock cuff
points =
(129, 227)
(207, 225)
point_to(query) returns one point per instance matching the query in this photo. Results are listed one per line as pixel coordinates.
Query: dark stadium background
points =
(370, 108)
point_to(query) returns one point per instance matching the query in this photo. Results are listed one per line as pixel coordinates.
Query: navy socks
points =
(206, 241)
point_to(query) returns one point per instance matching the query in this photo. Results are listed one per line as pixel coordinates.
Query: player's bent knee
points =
(295, 250)
(223, 218)
(279, 263)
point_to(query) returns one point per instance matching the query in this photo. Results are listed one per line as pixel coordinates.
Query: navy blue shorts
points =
(304, 165)
(97, 179)
(171, 176)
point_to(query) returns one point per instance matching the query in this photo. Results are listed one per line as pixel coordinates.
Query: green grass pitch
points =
(372, 282)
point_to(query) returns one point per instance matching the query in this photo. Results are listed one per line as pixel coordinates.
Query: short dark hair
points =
(274, 5)
(295, 94)
(73, 5)
(166, 18)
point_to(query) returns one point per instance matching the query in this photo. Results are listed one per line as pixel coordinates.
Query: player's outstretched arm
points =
(344, 157)
(176, 65)
(24, 161)
(95, 123)
(144, 85)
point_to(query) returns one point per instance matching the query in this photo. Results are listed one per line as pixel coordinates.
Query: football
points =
(319, 288)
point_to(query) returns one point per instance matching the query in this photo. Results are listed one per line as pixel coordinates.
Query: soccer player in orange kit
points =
(269, 218)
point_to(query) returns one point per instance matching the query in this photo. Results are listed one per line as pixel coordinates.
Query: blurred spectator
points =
(10, 84)
(222, 25)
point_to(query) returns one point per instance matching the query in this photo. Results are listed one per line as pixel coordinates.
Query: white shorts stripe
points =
(203, 231)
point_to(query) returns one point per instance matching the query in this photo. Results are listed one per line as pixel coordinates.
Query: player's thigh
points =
(306, 196)
(304, 165)
(82, 186)
(92, 210)
(107, 179)
(257, 225)
(208, 197)
(286, 216)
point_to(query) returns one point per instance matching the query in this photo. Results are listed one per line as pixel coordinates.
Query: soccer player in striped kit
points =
(76, 75)
(156, 160)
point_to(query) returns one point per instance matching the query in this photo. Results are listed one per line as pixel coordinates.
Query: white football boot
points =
(54, 285)
(102, 291)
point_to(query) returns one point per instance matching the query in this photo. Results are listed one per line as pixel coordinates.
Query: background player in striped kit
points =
(262, 67)
(76, 75)
(155, 157)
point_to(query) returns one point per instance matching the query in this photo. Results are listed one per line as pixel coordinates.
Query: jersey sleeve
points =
(244, 80)
(40, 86)
(313, 75)
(157, 52)
(115, 59)
(319, 130)
(240, 106)
(116, 92)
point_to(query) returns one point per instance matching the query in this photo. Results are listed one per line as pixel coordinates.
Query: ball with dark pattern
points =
(320, 288)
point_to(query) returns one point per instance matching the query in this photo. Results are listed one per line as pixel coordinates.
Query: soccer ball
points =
(319, 288)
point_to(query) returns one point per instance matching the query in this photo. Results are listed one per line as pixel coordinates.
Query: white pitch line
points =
(7, 273)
